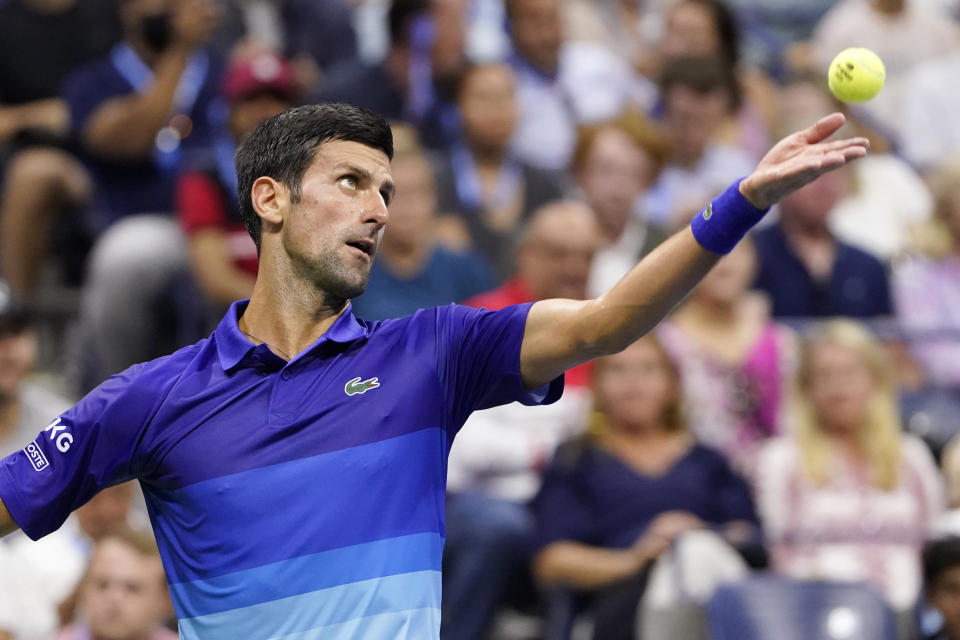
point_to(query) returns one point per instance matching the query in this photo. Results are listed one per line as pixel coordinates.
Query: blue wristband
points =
(725, 221)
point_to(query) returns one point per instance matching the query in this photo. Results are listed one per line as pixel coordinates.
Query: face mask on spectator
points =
(157, 29)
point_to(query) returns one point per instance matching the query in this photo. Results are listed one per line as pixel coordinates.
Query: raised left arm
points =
(561, 334)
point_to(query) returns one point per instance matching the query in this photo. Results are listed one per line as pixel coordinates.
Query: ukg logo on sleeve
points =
(37, 459)
(59, 434)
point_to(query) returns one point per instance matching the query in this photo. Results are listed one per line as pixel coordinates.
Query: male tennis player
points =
(294, 462)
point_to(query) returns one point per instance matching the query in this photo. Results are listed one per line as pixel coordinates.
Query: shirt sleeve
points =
(479, 360)
(94, 445)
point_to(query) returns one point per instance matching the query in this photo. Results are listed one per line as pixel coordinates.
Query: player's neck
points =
(288, 316)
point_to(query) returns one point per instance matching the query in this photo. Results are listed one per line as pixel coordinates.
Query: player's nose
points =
(375, 209)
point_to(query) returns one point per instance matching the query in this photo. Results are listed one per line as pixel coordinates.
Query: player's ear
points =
(270, 199)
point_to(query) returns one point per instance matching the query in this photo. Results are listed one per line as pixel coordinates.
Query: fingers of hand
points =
(824, 128)
(838, 145)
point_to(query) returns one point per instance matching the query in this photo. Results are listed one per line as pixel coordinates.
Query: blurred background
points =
(777, 460)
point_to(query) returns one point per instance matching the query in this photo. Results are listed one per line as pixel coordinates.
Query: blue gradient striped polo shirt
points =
(300, 499)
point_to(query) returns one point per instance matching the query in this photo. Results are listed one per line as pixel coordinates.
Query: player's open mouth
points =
(366, 246)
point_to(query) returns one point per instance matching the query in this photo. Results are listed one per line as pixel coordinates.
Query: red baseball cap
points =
(262, 71)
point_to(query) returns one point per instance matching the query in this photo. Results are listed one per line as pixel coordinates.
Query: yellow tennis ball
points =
(856, 75)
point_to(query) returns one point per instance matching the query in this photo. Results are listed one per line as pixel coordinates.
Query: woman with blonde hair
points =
(847, 496)
(614, 501)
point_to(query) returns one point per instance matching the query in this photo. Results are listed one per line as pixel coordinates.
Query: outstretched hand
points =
(799, 159)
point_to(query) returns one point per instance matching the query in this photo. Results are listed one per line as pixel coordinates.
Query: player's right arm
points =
(97, 443)
(7, 525)
(561, 334)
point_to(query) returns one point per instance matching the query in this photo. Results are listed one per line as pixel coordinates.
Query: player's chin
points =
(353, 283)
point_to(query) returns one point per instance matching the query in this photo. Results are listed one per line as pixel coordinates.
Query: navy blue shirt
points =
(858, 285)
(125, 187)
(296, 499)
(446, 277)
(590, 496)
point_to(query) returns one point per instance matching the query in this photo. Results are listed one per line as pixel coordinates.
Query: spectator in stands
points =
(926, 287)
(903, 33)
(561, 84)
(620, 25)
(776, 32)
(709, 28)
(41, 41)
(696, 95)
(489, 190)
(496, 461)
(846, 496)
(614, 501)
(24, 406)
(224, 259)
(412, 270)
(137, 113)
(614, 163)
(930, 94)
(928, 410)
(736, 364)
(807, 271)
(885, 199)
(38, 580)
(950, 465)
(412, 82)
(123, 595)
(315, 35)
(941, 579)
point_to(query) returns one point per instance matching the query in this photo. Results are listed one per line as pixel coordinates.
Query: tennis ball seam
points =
(866, 66)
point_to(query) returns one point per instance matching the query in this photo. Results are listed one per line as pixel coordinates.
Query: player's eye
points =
(348, 181)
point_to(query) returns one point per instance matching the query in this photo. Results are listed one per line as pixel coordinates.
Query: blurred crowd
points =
(794, 420)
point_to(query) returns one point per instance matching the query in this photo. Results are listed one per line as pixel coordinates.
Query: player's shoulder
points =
(155, 378)
(452, 322)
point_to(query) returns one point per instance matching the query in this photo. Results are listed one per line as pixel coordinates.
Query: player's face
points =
(331, 235)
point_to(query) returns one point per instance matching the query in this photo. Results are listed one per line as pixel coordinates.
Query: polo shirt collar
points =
(233, 346)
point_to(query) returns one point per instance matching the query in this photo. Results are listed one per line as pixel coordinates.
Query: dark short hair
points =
(701, 74)
(939, 557)
(282, 148)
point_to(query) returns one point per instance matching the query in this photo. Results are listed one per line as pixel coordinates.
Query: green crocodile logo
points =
(708, 212)
(353, 387)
